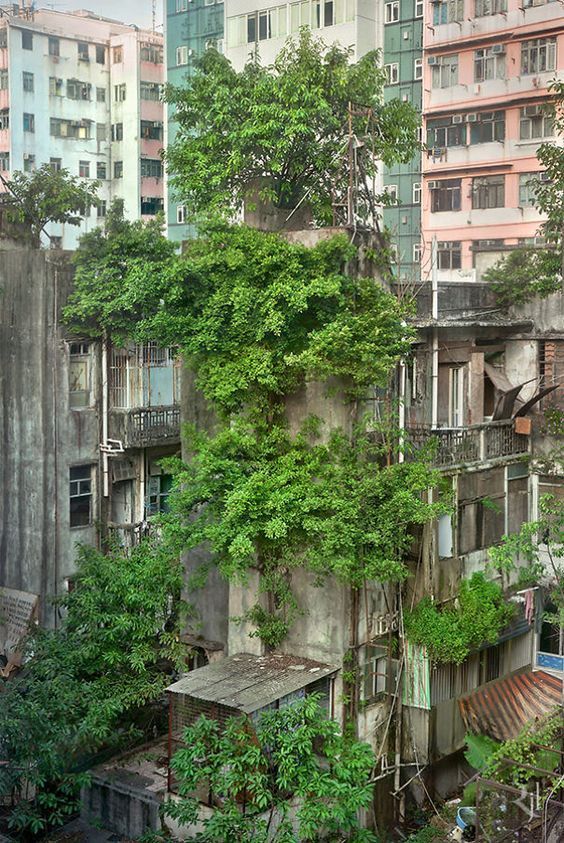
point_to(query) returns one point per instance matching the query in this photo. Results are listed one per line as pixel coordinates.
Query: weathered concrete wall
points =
(40, 436)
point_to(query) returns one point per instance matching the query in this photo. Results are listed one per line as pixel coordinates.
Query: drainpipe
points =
(105, 459)
(435, 347)
(401, 420)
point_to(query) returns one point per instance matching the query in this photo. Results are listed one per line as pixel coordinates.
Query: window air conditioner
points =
(544, 176)
(472, 117)
(433, 60)
(531, 111)
(498, 49)
(457, 119)
(433, 185)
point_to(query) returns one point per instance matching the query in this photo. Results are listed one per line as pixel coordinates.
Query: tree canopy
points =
(284, 127)
(47, 195)
(294, 756)
(83, 685)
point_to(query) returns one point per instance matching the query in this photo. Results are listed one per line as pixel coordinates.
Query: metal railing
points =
(146, 426)
(451, 446)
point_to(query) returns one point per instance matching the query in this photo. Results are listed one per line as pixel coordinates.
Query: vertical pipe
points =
(105, 462)
(402, 379)
(435, 346)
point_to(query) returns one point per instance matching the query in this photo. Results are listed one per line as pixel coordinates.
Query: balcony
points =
(478, 443)
(144, 427)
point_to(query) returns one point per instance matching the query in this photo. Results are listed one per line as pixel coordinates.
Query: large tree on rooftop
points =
(285, 125)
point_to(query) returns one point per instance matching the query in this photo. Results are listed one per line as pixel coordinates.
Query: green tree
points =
(45, 195)
(84, 685)
(284, 127)
(529, 272)
(294, 755)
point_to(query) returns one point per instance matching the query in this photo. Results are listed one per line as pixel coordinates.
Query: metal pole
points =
(435, 342)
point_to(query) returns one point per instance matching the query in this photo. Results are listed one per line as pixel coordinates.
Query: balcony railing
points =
(452, 446)
(146, 426)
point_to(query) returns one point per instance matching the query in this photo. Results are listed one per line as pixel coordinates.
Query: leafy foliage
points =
(480, 749)
(293, 756)
(259, 497)
(46, 195)
(524, 749)
(118, 275)
(450, 633)
(83, 685)
(526, 273)
(283, 127)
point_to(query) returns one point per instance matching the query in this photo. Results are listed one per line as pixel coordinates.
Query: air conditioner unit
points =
(527, 4)
(498, 50)
(433, 185)
(486, 115)
(531, 111)
(433, 60)
(191, 53)
(544, 176)
(457, 119)
(472, 117)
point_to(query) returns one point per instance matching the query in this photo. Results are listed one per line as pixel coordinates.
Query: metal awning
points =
(502, 708)
(247, 683)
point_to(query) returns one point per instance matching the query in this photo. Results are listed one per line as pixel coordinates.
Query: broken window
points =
(481, 509)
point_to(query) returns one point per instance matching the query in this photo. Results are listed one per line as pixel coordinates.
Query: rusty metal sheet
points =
(502, 708)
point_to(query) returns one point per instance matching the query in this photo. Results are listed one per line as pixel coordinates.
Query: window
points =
(4, 161)
(391, 12)
(392, 73)
(535, 123)
(28, 162)
(119, 92)
(77, 90)
(55, 87)
(27, 40)
(79, 375)
(488, 192)
(55, 242)
(151, 168)
(448, 11)
(417, 253)
(538, 55)
(151, 205)
(29, 122)
(4, 80)
(418, 69)
(151, 130)
(3, 38)
(101, 132)
(101, 170)
(102, 208)
(151, 53)
(80, 129)
(100, 95)
(80, 496)
(445, 195)
(83, 51)
(489, 63)
(449, 254)
(84, 169)
(418, 8)
(117, 132)
(118, 169)
(56, 164)
(4, 119)
(444, 71)
(375, 672)
(54, 47)
(416, 193)
(117, 55)
(489, 126)
(456, 396)
(180, 214)
(182, 55)
(446, 131)
(100, 54)
(28, 82)
(181, 5)
(150, 91)
(528, 184)
(489, 7)
(158, 492)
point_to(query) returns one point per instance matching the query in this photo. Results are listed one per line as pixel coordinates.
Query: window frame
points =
(392, 71)
(443, 70)
(447, 197)
(29, 122)
(487, 190)
(80, 489)
(28, 82)
(449, 254)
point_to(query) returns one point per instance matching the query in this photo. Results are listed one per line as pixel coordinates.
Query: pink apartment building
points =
(488, 65)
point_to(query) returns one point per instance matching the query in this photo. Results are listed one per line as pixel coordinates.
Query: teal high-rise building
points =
(191, 27)
(403, 41)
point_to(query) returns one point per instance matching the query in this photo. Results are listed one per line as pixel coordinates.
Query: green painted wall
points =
(200, 23)
(402, 46)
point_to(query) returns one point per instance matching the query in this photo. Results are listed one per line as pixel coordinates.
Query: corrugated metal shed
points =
(503, 707)
(246, 682)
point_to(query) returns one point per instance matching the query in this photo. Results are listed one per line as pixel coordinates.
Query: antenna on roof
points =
(154, 15)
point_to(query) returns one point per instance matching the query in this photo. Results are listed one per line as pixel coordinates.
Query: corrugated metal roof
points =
(503, 707)
(246, 682)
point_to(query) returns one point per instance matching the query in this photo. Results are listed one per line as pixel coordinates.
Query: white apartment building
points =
(82, 92)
